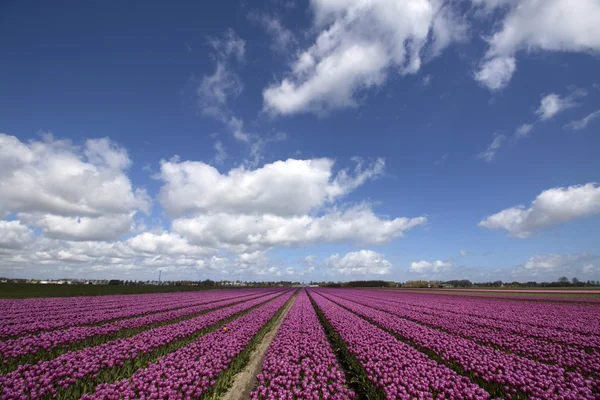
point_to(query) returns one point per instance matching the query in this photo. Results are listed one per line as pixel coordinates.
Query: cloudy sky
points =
(301, 140)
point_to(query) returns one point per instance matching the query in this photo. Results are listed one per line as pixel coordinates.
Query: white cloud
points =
(358, 45)
(363, 262)
(247, 232)
(551, 207)
(229, 45)
(553, 104)
(590, 269)
(285, 203)
(216, 91)
(145, 254)
(551, 266)
(79, 193)
(220, 153)
(104, 227)
(285, 188)
(464, 253)
(14, 235)
(497, 72)
(425, 267)
(582, 123)
(309, 264)
(523, 131)
(533, 25)
(490, 153)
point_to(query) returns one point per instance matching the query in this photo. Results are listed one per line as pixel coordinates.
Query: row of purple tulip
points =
(560, 316)
(45, 378)
(299, 363)
(66, 318)
(538, 349)
(517, 374)
(474, 313)
(32, 344)
(192, 370)
(541, 296)
(40, 306)
(401, 371)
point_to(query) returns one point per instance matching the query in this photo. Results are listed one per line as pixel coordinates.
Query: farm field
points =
(311, 343)
(27, 290)
(591, 294)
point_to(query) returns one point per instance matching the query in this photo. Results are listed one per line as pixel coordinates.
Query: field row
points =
(331, 344)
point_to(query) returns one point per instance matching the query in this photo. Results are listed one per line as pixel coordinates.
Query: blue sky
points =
(300, 140)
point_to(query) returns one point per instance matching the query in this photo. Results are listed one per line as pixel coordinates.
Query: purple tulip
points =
(300, 358)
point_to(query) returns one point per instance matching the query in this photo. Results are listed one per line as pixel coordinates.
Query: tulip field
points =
(305, 343)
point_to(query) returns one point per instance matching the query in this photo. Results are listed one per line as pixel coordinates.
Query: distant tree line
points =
(460, 283)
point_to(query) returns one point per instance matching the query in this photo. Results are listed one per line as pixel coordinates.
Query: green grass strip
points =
(356, 375)
(110, 375)
(47, 355)
(239, 362)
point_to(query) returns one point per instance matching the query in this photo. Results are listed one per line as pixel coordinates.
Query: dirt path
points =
(246, 380)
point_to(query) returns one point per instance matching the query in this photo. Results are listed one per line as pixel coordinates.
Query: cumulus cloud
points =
(283, 188)
(464, 253)
(426, 267)
(80, 193)
(533, 25)
(359, 43)
(551, 207)
(285, 203)
(14, 235)
(551, 266)
(582, 123)
(363, 262)
(245, 232)
(142, 254)
(497, 72)
(553, 104)
(490, 153)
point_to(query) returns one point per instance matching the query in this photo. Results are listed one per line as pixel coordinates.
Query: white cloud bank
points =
(363, 262)
(68, 191)
(71, 209)
(553, 266)
(551, 207)
(285, 203)
(534, 25)
(284, 188)
(426, 267)
(359, 43)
